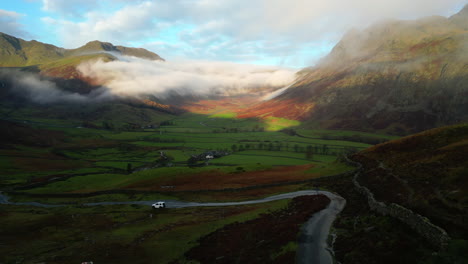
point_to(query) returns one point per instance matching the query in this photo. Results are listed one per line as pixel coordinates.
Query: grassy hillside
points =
(425, 172)
(16, 52)
(98, 46)
(59, 62)
(66, 68)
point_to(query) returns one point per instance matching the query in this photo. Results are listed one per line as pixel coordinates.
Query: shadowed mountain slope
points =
(425, 172)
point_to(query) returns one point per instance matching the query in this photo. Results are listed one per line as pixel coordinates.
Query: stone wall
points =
(432, 233)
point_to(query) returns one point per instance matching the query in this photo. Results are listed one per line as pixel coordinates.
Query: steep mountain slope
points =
(425, 172)
(396, 76)
(15, 52)
(66, 68)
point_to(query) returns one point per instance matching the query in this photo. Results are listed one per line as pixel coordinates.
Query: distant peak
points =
(99, 46)
(464, 9)
(4, 35)
(96, 44)
(461, 18)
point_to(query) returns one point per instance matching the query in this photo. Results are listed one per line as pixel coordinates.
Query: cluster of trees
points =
(88, 124)
(238, 130)
(289, 131)
(109, 125)
(279, 146)
(163, 140)
(167, 123)
(355, 138)
(309, 150)
(373, 140)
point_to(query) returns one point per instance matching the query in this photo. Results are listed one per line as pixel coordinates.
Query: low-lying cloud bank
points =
(33, 87)
(42, 91)
(131, 76)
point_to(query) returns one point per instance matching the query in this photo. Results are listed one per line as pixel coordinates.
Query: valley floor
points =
(72, 165)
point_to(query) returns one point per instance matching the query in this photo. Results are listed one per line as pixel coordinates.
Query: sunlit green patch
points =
(278, 123)
(224, 115)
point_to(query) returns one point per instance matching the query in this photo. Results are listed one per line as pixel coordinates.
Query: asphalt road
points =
(312, 245)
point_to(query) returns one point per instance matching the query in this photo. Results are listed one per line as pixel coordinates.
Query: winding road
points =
(312, 244)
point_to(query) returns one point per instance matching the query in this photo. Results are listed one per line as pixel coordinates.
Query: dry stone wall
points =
(432, 233)
(435, 235)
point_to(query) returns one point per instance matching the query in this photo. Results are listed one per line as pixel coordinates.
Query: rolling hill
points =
(16, 52)
(425, 172)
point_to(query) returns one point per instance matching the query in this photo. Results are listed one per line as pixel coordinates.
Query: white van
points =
(158, 205)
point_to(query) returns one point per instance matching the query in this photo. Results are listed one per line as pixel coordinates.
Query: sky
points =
(284, 33)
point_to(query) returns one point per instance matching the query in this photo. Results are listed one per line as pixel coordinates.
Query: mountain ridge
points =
(16, 52)
(396, 77)
(96, 45)
(56, 62)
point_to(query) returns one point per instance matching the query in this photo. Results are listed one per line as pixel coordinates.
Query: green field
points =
(105, 159)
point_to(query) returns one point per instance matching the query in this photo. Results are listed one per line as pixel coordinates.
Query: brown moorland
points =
(425, 172)
(218, 180)
(253, 241)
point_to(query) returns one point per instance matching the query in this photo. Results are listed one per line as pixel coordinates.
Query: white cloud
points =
(126, 24)
(134, 77)
(9, 24)
(32, 87)
(44, 91)
(213, 29)
(69, 8)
